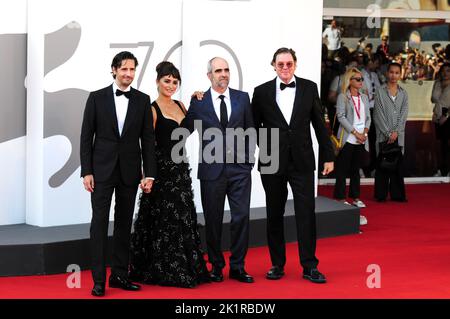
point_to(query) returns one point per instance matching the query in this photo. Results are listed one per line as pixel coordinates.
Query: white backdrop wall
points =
(13, 29)
(70, 48)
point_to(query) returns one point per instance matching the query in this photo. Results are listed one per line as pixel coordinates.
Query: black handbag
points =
(389, 157)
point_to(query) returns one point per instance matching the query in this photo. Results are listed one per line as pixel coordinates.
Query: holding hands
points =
(146, 185)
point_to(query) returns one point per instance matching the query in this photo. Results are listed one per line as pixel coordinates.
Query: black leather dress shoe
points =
(122, 283)
(216, 275)
(241, 275)
(98, 290)
(275, 273)
(314, 276)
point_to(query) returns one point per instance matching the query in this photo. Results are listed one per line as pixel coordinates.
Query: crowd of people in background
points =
(416, 64)
(365, 74)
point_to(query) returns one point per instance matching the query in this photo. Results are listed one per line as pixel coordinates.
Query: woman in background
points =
(441, 99)
(390, 114)
(352, 110)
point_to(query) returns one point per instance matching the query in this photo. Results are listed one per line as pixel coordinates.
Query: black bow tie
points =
(127, 93)
(290, 85)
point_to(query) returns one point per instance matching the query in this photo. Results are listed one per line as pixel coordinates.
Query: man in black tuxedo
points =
(117, 139)
(289, 104)
(223, 111)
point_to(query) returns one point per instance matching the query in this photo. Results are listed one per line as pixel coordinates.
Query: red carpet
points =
(409, 241)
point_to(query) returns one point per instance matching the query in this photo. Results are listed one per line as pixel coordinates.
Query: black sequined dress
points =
(165, 243)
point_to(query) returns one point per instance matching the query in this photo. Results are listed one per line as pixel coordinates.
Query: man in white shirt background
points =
(333, 36)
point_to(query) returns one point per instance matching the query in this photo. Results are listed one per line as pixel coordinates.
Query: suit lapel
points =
(111, 107)
(131, 112)
(234, 106)
(298, 99)
(273, 97)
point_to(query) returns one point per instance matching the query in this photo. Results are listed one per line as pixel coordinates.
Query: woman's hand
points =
(443, 119)
(393, 137)
(146, 185)
(360, 137)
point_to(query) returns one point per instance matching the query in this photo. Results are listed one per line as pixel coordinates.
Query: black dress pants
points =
(275, 187)
(390, 182)
(443, 134)
(234, 183)
(348, 164)
(125, 196)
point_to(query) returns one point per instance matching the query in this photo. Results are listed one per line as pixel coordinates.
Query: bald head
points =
(209, 66)
(218, 74)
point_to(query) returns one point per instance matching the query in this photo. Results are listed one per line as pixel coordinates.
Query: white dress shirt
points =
(121, 106)
(216, 102)
(121, 110)
(285, 99)
(334, 38)
(358, 122)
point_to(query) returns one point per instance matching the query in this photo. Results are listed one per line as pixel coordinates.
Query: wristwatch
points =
(365, 134)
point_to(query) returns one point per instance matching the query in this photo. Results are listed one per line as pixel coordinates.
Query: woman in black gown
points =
(165, 244)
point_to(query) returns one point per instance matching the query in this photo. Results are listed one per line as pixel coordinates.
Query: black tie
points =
(127, 93)
(290, 85)
(223, 112)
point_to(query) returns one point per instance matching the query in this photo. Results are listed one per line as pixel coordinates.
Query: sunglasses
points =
(281, 65)
(357, 79)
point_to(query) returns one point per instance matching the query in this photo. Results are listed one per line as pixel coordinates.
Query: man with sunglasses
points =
(285, 107)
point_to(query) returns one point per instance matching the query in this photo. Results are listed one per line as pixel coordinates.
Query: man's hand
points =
(328, 167)
(198, 95)
(146, 185)
(393, 137)
(88, 182)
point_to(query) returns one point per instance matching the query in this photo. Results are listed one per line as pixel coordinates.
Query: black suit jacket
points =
(101, 146)
(294, 142)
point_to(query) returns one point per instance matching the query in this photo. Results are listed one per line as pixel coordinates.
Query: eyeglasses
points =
(357, 79)
(281, 65)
